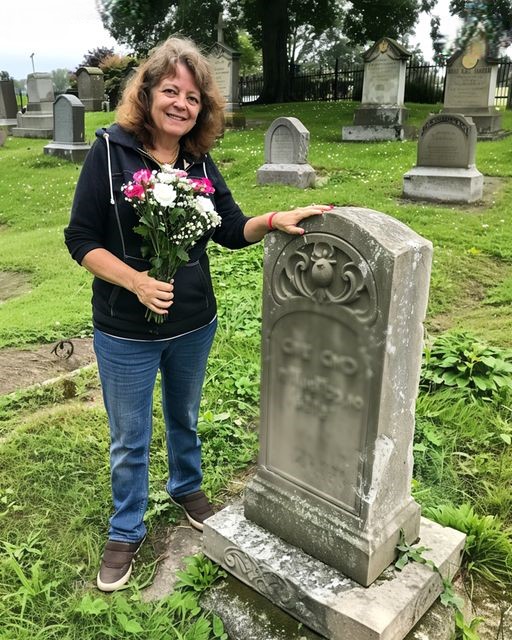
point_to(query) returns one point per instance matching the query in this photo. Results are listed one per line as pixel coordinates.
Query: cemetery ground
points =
(54, 486)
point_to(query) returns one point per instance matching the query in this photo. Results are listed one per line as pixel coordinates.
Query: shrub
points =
(459, 359)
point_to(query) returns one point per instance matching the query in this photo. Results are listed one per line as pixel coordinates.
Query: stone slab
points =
(443, 184)
(247, 615)
(373, 133)
(294, 175)
(320, 596)
(25, 132)
(8, 122)
(68, 151)
(380, 115)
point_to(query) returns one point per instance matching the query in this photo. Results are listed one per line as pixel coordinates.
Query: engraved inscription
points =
(223, 74)
(318, 403)
(328, 271)
(468, 87)
(281, 146)
(381, 81)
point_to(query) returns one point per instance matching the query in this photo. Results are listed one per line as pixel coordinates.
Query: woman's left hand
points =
(287, 221)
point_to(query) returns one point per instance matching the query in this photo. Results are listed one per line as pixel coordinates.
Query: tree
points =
(366, 21)
(94, 57)
(4, 75)
(492, 17)
(142, 24)
(60, 80)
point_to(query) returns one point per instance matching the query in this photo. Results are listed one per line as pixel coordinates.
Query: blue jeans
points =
(128, 370)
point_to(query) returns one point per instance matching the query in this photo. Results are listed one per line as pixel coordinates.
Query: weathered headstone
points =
(37, 121)
(286, 152)
(382, 114)
(470, 89)
(8, 106)
(225, 64)
(69, 126)
(445, 170)
(342, 342)
(91, 87)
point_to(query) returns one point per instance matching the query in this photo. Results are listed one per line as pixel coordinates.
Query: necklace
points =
(159, 161)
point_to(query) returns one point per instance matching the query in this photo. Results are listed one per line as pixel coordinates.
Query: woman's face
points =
(175, 105)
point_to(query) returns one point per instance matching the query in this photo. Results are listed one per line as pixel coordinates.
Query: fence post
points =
(335, 88)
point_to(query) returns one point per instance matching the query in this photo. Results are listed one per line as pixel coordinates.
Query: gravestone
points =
(470, 88)
(69, 126)
(91, 87)
(3, 136)
(37, 121)
(382, 114)
(286, 152)
(341, 353)
(225, 63)
(445, 170)
(8, 105)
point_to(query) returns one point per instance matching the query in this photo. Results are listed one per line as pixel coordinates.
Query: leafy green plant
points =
(200, 573)
(488, 547)
(459, 359)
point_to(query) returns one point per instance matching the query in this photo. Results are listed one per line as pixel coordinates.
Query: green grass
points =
(54, 489)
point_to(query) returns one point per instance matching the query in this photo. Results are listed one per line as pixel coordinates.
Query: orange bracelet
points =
(269, 221)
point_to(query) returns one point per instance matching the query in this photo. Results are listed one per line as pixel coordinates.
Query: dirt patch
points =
(20, 368)
(12, 284)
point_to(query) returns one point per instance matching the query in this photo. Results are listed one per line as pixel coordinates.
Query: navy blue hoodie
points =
(101, 218)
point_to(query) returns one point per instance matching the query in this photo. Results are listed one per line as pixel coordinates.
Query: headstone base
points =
(34, 125)
(376, 133)
(8, 122)
(380, 115)
(294, 175)
(247, 615)
(92, 104)
(487, 121)
(71, 152)
(443, 184)
(323, 598)
(234, 119)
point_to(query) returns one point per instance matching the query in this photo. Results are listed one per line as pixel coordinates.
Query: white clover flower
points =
(164, 194)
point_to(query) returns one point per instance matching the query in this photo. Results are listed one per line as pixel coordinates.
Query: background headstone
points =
(286, 152)
(225, 64)
(69, 126)
(445, 170)
(470, 88)
(3, 136)
(382, 114)
(91, 87)
(341, 352)
(37, 121)
(8, 105)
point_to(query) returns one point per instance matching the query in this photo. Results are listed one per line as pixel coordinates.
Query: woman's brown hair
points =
(133, 112)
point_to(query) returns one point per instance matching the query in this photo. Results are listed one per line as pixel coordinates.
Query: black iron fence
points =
(423, 83)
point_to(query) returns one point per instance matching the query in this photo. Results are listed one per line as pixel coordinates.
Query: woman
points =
(170, 113)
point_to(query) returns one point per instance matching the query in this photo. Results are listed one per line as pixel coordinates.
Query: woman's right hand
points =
(154, 294)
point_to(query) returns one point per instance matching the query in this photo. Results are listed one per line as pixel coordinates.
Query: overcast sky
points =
(61, 32)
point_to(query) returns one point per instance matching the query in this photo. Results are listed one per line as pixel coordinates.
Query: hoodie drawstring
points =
(112, 201)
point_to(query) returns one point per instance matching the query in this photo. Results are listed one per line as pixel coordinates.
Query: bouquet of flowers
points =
(174, 212)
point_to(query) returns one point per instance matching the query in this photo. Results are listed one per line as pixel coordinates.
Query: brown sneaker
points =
(116, 564)
(196, 508)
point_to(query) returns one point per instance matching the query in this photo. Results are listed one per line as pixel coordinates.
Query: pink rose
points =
(142, 175)
(132, 190)
(202, 185)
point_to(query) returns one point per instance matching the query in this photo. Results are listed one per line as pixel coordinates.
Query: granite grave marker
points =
(69, 126)
(445, 170)
(286, 152)
(341, 352)
(470, 88)
(382, 114)
(37, 121)
(91, 87)
(8, 105)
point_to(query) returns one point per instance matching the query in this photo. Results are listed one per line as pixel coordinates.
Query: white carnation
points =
(164, 194)
(204, 205)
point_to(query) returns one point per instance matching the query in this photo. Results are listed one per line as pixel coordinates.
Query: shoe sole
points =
(193, 523)
(108, 587)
